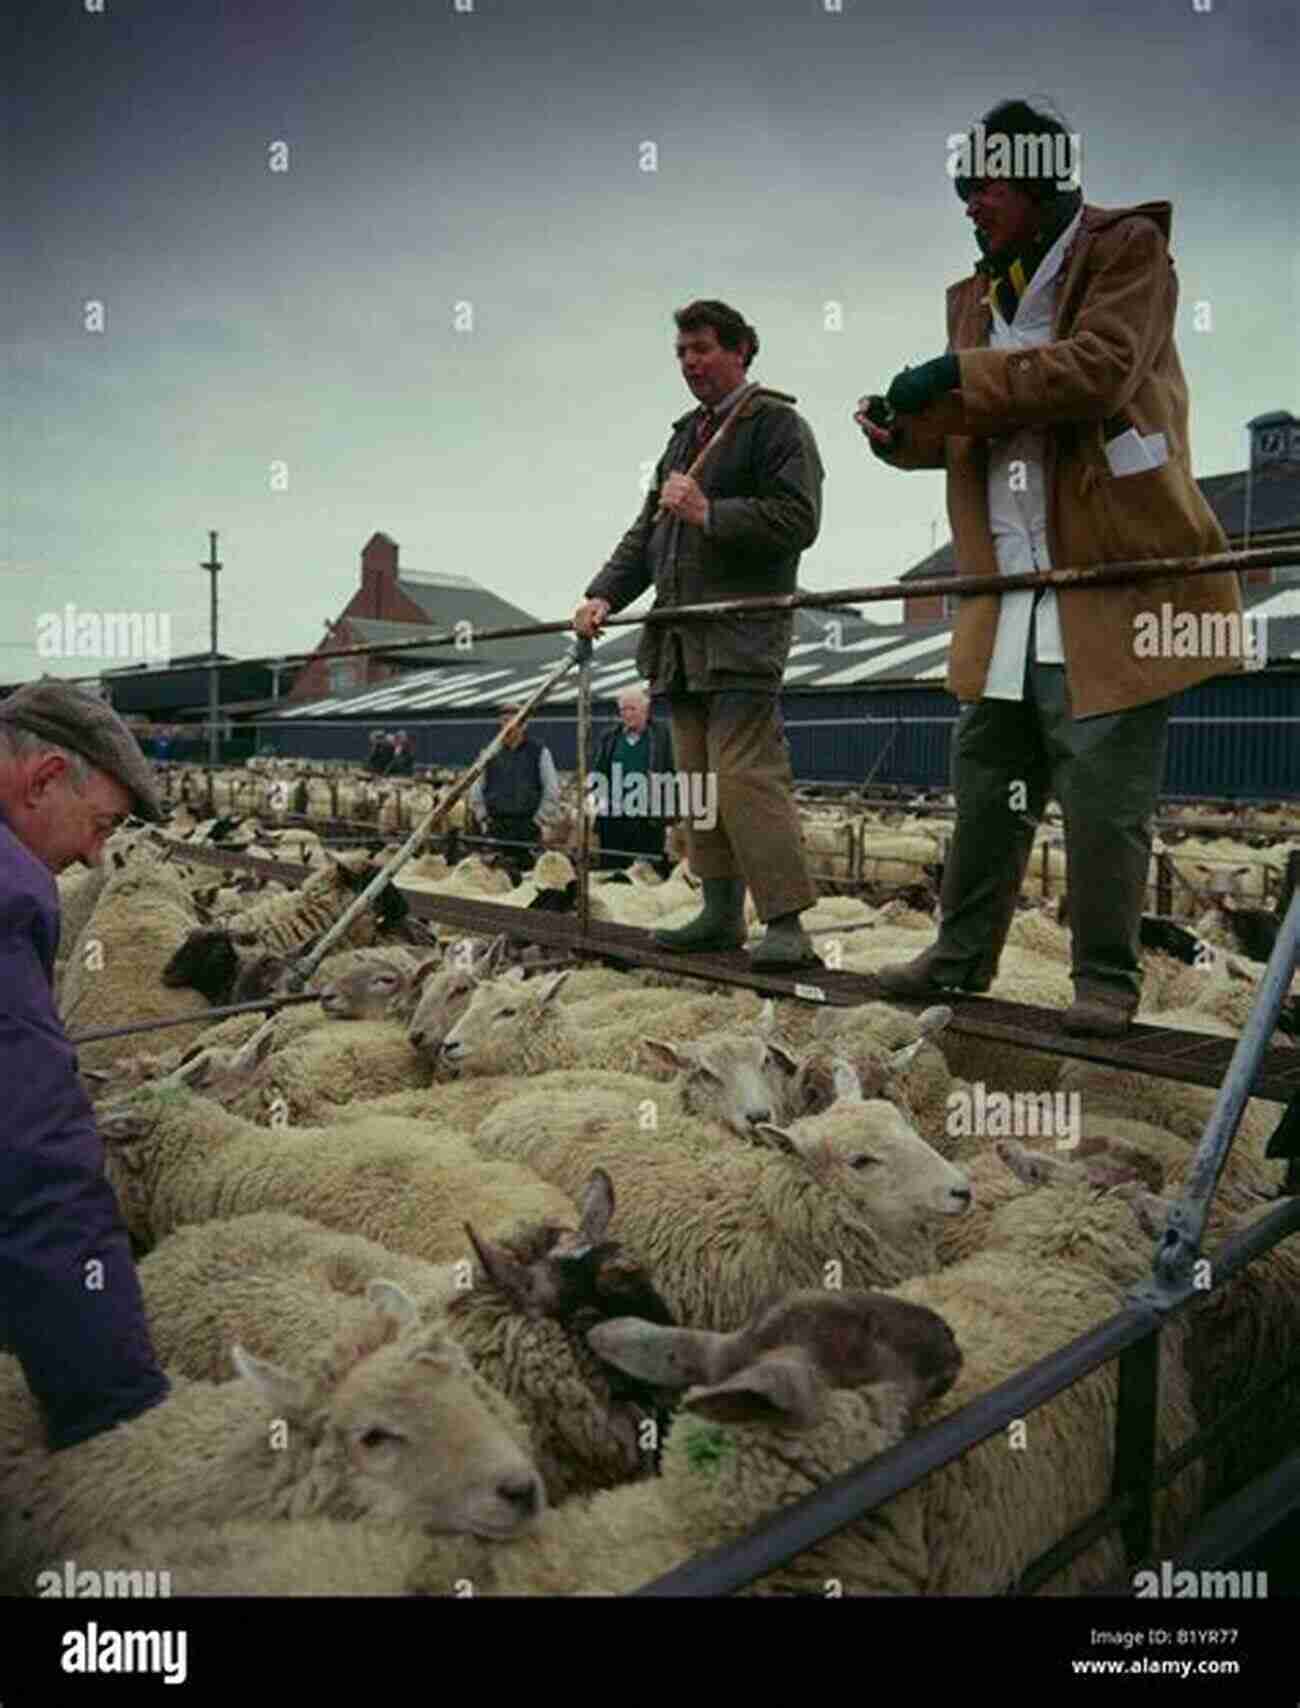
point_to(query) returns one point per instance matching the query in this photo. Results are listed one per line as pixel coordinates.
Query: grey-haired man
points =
(70, 1304)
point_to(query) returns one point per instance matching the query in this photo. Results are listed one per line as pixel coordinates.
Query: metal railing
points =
(1131, 1335)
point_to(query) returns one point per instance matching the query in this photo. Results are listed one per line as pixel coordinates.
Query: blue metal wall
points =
(1235, 737)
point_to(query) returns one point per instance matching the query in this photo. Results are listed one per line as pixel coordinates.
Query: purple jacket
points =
(70, 1304)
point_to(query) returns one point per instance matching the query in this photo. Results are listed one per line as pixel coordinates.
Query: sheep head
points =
(501, 1017)
(780, 1366)
(221, 1073)
(1098, 1162)
(734, 1078)
(409, 1431)
(368, 991)
(207, 961)
(546, 1270)
(577, 1278)
(264, 976)
(873, 1155)
(445, 991)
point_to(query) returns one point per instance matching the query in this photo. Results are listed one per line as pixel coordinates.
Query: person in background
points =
(403, 760)
(70, 1305)
(518, 787)
(381, 752)
(637, 746)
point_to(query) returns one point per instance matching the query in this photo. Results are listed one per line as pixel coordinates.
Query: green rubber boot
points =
(720, 926)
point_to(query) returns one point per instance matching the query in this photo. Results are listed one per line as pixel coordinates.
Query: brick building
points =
(399, 604)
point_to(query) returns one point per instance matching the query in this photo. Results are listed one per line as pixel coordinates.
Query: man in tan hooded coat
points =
(1060, 416)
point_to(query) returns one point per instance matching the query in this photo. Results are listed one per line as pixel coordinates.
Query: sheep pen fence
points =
(1131, 1336)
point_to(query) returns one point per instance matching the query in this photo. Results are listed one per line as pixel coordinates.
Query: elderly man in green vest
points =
(1059, 413)
(634, 761)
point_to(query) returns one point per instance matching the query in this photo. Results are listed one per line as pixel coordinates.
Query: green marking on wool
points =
(707, 1445)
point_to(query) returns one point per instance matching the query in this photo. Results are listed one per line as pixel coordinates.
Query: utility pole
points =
(213, 568)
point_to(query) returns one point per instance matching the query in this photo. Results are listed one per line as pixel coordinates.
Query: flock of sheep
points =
(544, 1280)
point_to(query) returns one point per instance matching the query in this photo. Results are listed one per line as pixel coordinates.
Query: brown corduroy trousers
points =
(737, 738)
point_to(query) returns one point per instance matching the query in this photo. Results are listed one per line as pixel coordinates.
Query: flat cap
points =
(64, 715)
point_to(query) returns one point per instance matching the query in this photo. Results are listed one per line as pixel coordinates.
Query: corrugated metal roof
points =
(904, 652)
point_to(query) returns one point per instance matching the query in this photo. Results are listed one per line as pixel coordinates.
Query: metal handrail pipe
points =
(1180, 1244)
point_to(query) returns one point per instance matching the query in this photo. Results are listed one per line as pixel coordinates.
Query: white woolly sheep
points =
(811, 1387)
(277, 1283)
(140, 920)
(175, 1158)
(397, 1426)
(722, 1232)
(516, 1026)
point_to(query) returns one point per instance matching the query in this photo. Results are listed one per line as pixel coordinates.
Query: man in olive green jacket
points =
(1060, 415)
(735, 533)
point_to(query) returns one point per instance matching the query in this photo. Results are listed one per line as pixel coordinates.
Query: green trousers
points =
(1008, 757)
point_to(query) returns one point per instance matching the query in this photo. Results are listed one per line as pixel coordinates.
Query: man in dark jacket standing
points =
(70, 1303)
(736, 533)
(634, 813)
(518, 786)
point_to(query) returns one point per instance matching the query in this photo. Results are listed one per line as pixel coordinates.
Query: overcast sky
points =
(280, 355)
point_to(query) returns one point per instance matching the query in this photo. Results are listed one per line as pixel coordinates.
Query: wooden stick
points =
(749, 392)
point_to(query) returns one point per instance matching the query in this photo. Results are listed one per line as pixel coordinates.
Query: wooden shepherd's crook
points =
(749, 392)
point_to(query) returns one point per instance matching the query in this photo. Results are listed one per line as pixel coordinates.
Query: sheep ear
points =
(394, 1302)
(782, 1139)
(785, 1059)
(781, 1388)
(285, 1393)
(504, 1271)
(195, 1071)
(597, 1206)
(244, 938)
(679, 1057)
(665, 1357)
(513, 975)
(424, 970)
(258, 1046)
(933, 1020)
(492, 957)
(120, 1124)
(551, 987)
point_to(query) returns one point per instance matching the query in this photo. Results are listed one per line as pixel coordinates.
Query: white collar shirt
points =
(1017, 496)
